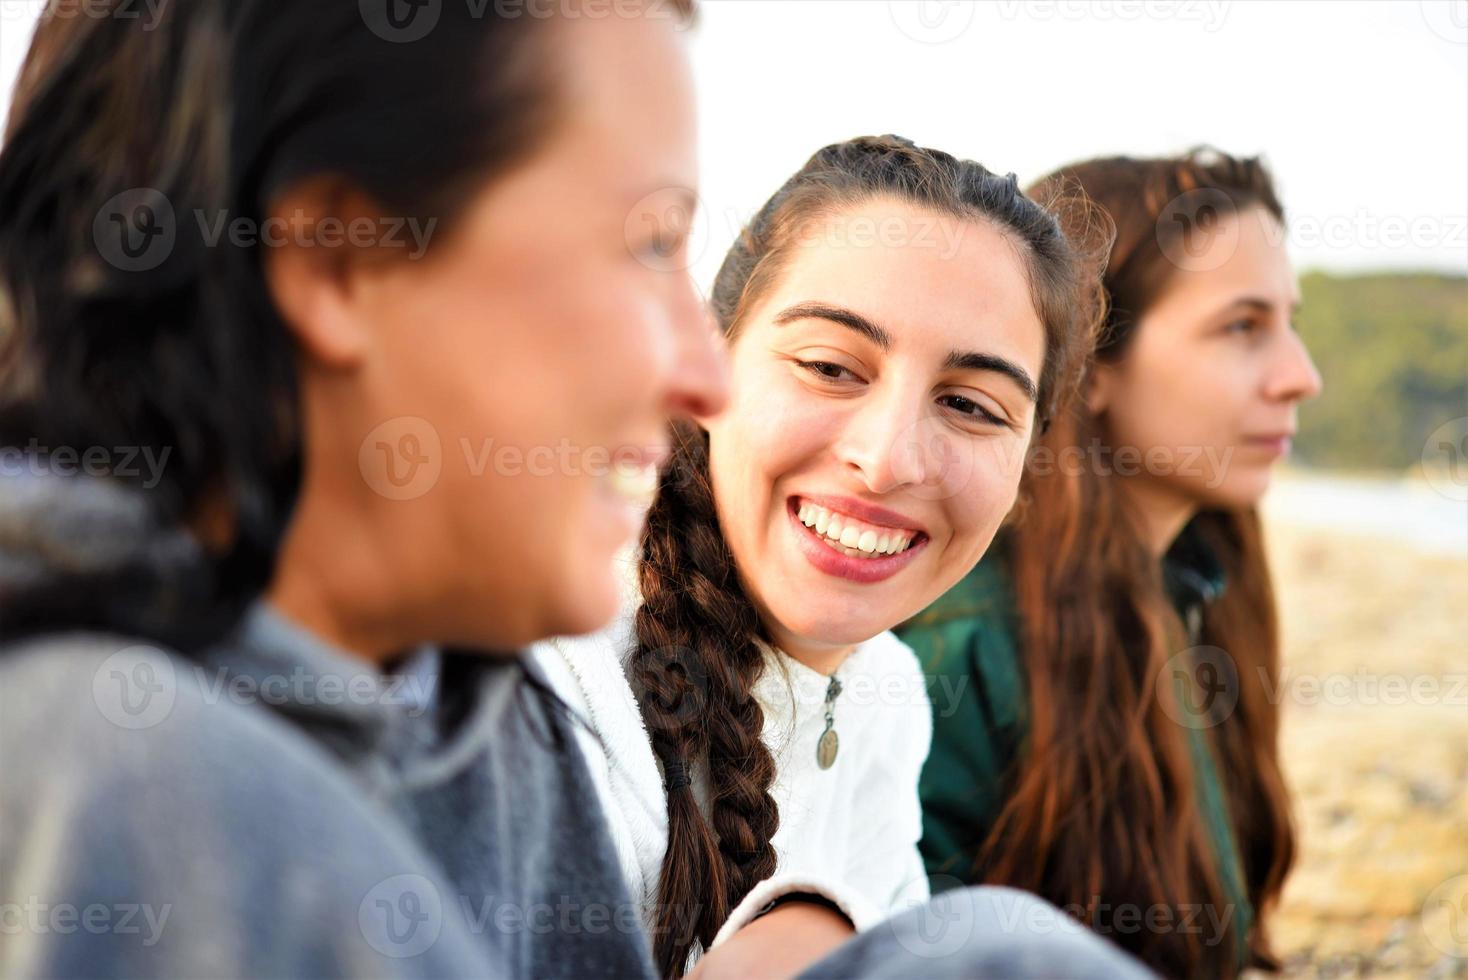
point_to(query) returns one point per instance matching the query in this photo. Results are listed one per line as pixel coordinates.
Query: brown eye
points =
(825, 369)
(971, 408)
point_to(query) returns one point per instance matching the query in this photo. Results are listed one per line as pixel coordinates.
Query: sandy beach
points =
(1375, 740)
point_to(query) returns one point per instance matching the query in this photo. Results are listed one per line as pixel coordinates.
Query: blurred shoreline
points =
(1407, 508)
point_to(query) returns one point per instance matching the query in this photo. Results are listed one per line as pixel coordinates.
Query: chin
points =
(835, 625)
(593, 606)
(1240, 490)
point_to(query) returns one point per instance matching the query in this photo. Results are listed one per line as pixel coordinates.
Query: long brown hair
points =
(696, 660)
(1102, 806)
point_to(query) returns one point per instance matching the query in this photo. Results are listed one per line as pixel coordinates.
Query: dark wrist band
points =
(810, 898)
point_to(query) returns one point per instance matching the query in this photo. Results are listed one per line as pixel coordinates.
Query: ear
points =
(1100, 382)
(313, 272)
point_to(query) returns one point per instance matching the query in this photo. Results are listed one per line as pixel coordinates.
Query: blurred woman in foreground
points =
(272, 274)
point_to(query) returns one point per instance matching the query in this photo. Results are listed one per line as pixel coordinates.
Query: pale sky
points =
(1361, 108)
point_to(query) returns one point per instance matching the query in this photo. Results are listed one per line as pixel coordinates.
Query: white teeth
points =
(635, 484)
(850, 536)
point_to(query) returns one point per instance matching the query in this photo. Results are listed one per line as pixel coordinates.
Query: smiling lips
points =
(850, 536)
(874, 552)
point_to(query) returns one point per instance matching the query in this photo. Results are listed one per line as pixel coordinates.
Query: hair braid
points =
(695, 666)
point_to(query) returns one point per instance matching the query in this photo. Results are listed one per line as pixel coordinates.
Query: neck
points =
(1163, 513)
(319, 595)
(819, 657)
(313, 609)
(337, 575)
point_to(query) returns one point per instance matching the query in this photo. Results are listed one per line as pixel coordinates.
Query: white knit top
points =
(849, 832)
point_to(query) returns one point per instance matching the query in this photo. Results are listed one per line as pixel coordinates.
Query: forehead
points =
(626, 95)
(935, 282)
(1246, 257)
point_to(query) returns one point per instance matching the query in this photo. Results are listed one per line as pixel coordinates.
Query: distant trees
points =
(1393, 350)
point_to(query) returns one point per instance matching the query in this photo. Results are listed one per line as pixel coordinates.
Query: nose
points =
(887, 442)
(699, 379)
(1292, 376)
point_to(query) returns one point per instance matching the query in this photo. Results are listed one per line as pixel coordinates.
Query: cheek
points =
(770, 433)
(528, 389)
(598, 333)
(582, 358)
(1176, 401)
(619, 324)
(987, 497)
(749, 446)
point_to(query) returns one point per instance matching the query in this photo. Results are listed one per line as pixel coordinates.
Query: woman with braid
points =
(900, 325)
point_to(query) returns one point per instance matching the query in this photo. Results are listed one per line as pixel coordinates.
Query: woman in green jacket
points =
(1103, 734)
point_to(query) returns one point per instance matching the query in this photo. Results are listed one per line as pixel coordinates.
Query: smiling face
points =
(882, 394)
(564, 328)
(495, 411)
(1210, 383)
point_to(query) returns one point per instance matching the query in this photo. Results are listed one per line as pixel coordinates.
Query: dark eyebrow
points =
(836, 314)
(974, 361)
(1260, 304)
(955, 361)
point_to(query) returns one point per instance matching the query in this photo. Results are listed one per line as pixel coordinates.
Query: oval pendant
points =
(826, 749)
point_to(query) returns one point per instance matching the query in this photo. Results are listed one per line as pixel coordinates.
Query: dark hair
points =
(696, 660)
(217, 107)
(1102, 802)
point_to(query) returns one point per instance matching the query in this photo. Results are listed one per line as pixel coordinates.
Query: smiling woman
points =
(900, 324)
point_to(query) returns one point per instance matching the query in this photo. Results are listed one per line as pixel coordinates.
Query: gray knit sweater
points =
(276, 807)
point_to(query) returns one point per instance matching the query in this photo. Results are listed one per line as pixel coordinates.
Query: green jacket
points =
(968, 643)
